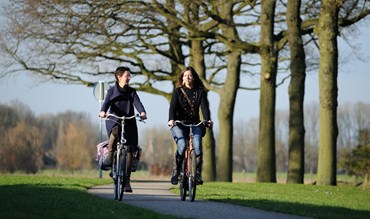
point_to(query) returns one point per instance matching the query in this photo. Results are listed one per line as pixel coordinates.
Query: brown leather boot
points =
(127, 185)
(109, 159)
(199, 162)
(127, 182)
(176, 169)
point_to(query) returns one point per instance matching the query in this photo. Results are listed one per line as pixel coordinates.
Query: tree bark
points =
(227, 95)
(327, 31)
(296, 94)
(266, 162)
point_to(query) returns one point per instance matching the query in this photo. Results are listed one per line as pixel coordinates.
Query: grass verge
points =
(305, 200)
(30, 196)
(54, 194)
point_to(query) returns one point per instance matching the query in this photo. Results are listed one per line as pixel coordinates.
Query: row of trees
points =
(67, 141)
(353, 142)
(226, 41)
(29, 143)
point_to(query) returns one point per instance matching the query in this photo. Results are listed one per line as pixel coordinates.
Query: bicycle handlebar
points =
(124, 117)
(121, 117)
(190, 125)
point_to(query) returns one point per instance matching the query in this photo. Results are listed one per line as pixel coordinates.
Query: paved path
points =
(155, 195)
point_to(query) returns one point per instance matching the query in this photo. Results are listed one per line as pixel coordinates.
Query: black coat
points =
(121, 101)
(181, 110)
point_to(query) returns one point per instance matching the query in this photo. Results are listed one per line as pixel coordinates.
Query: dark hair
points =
(120, 71)
(197, 82)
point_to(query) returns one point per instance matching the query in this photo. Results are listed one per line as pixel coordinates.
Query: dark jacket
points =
(181, 110)
(121, 101)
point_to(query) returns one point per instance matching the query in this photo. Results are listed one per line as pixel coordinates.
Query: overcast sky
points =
(353, 82)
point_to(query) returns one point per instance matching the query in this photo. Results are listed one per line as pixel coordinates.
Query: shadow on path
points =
(156, 196)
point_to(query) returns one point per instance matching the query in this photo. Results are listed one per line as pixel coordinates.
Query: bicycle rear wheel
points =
(183, 181)
(191, 180)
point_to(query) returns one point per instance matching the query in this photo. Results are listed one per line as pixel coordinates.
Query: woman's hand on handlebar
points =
(101, 114)
(171, 123)
(209, 123)
(143, 116)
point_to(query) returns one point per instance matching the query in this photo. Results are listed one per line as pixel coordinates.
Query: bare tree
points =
(346, 126)
(72, 151)
(312, 127)
(22, 151)
(158, 150)
(240, 155)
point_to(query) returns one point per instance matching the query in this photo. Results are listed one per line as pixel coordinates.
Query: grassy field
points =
(56, 194)
(305, 200)
(53, 197)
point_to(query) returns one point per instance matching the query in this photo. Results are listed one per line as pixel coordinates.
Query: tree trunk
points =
(327, 31)
(208, 143)
(225, 118)
(266, 164)
(296, 94)
(209, 157)
(227, 95)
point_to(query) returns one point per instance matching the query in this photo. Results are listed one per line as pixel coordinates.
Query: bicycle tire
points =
(183, 181)
(192, 177)
(115, 177)
(123, 159)
(115, 193)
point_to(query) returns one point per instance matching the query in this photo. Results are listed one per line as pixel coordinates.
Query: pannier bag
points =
(102, 153)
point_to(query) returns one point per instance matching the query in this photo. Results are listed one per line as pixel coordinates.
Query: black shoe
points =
(128, 190)
(111, 174)
(199, 180)
(175, 178)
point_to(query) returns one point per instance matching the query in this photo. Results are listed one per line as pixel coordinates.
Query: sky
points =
(52, 97)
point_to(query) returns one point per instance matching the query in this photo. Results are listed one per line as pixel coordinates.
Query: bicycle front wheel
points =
(115, 176)
(183, 181)
(122, 173)
(192, 176)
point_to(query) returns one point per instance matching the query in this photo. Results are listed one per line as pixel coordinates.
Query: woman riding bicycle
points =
(121, 100)
(187, 98)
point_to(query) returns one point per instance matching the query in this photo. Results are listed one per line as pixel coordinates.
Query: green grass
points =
(305, 200)
(61, 194)
(34, 196)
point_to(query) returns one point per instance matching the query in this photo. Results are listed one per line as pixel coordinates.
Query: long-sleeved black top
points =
(180, 108)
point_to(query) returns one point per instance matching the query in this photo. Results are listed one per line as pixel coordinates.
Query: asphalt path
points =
(155, 195)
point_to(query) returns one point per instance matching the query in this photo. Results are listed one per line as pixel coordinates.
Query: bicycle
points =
(188, 166)
(120, 162)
